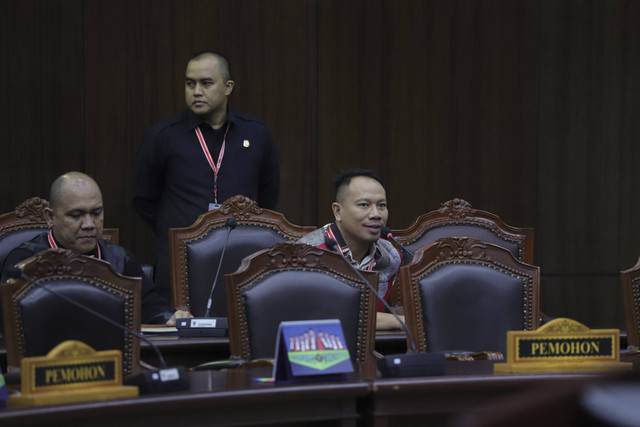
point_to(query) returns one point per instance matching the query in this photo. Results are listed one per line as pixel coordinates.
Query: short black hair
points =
(344, 178)
(225, 68)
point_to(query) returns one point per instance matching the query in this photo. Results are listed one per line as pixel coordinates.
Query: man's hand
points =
(387, 321)
(179, 314)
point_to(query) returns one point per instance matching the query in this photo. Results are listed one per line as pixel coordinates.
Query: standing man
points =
(360, 212)
(75, 217)
(195, 160)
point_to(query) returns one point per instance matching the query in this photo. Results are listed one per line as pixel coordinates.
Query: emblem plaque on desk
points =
(312, 350)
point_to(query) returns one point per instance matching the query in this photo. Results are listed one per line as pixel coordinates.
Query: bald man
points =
(193, 161)
(75, 217)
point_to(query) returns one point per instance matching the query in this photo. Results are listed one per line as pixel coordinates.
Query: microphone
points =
(208, 326)
(230, 224)
(410, 364)
(386, 232)
(160, 380)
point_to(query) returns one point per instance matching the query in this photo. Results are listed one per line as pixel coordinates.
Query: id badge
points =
(214, 206)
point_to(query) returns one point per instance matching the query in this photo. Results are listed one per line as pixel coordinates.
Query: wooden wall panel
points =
(437, 96)
(588, 206)
(41, 111)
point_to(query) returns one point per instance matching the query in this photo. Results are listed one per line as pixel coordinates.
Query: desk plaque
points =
(71, 372)
(562, 345)
(313, 350)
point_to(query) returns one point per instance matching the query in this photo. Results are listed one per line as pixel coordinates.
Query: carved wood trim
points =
(28, 214)
(32, 209)
(630, 282)
(460, 212)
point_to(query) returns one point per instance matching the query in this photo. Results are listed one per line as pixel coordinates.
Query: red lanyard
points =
(54, 245)
(333, 236)
(207, 154)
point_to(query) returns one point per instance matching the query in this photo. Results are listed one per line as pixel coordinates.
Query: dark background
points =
(528, 109)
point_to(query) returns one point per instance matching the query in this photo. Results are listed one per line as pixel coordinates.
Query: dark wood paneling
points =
(437, 96)
(591, 299)
(41, 113)
(588, 192)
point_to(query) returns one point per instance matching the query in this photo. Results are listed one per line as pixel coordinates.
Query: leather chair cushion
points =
(203, 258)
(469, 307)
(12, 240)
(51, 320)
(148, 271)
(299, 295)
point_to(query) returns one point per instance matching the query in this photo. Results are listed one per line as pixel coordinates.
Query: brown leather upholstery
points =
(462, 294)
(295, 281)
(458, 218)
(630, 280)
(195, 250)
(36, 321)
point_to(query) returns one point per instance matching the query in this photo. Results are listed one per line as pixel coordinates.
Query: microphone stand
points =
(208, 326)
(230, 223)
(164, 379)
(399, 365)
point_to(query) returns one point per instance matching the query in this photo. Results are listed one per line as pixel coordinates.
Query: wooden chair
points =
(195, 250)
(36, 320)
(630, 280)
(457, 218)
(22, 224)
(295, 281)
(463, 294)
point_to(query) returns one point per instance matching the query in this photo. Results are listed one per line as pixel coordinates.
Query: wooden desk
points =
(185, 351)
(234, 397)
(467, 388)
(192, 351)
(216, 397)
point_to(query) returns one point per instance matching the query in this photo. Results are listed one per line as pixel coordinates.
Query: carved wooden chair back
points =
(465, 294)
(295, 281)
(36, 320)
(630, 280)
(195, 251)
(457, 218)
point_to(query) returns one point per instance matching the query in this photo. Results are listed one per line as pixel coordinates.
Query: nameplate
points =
(562, 345)
(71, 372)
(311, 351)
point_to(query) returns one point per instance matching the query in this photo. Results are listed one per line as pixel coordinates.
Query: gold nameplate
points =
(71, 372)
(562, 345)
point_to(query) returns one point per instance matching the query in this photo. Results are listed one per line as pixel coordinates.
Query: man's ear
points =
(335, 206)
(229, 87)
(48, 216)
